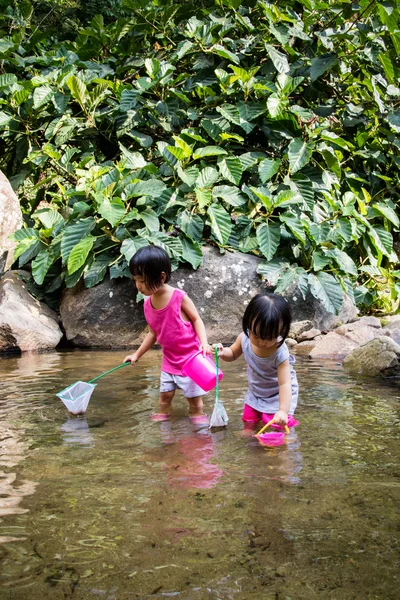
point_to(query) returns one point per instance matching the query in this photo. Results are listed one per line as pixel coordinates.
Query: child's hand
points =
(132, 358)
(281, 418)
(205, 349)
(220, 349)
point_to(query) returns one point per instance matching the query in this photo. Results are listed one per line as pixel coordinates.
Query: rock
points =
(298, 327)
(304, 348)
(25, 323)
(380, 356)
(220, 289)
(105, 316)
(338, 343)
(361, 322)
(392, 328)
(308, 335)
(311, 309)
(333, 346)
(290, 343)
(10, 221)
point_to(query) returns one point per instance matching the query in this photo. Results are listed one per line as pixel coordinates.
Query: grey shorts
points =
(169, 382)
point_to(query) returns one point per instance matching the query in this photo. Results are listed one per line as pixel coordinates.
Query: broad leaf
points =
(299, 154)
(220, 222)
(328, 290)
(79, 253)
(268, 236)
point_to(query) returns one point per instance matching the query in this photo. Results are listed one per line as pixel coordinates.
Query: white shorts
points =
(170, 382)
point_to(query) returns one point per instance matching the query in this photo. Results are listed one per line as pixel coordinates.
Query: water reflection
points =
(77, 431)
(189, 464)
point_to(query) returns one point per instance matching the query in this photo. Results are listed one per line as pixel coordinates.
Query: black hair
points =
(149, 262)
(268, 316)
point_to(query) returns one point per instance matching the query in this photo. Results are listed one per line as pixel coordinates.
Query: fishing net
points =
(76, 397)
(219, 417)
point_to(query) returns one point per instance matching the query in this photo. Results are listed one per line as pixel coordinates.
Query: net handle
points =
(216, 376)
(125, 364)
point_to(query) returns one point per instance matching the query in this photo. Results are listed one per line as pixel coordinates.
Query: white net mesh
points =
(219, 418)
(76, 397)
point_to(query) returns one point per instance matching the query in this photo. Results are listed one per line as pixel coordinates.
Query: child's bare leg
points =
(164, 403)
(195, 406)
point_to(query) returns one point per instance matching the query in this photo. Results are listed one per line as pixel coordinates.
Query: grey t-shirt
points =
(263, 392)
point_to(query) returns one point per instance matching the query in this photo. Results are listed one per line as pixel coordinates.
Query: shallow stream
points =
(113, 506)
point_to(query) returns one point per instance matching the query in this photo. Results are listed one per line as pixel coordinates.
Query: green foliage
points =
(269, 128)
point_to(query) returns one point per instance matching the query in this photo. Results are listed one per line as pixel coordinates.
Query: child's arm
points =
(285, 393)
(233, 352)
(147, 343)
(191, 311)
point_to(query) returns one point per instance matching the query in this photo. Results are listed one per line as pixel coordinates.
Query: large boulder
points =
(10, 221)
(25, 323)
(380, 356)
(105, 316)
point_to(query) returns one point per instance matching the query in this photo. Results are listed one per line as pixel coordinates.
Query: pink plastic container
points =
(272, 438)
(202, 370)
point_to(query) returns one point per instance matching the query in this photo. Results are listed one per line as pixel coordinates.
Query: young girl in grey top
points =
(273, 388)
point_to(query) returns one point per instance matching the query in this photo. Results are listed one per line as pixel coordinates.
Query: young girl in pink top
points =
(175, 324)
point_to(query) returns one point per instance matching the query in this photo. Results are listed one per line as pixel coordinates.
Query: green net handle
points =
(110, 371)
(216, 375)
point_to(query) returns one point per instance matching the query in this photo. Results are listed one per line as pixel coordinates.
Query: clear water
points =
(113, 506)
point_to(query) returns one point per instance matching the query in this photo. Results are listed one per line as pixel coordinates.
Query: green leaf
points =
(280, 60)
(231, 169)
(276, 104)
(150, 219)
(393, 119)
(41, 265)
(113, 210)
(191, 224)
(229, 194)
(79, 253)
(328, 290)
(188, 175)
(7, 80)
(204, 197)
(149, 187)
(42, 95)
(96, 271)
(381, 239)
(321, 64)
(344, 261)
(78, 89)
(73, 233)
(268, 237)
(387, 212)
(299, 154)
(268, 168)
(295, 226)
(207, 177)
(224, 53)
(134, 160)
(49, 217)
(220, 222)
(208, 151)
(191, 252)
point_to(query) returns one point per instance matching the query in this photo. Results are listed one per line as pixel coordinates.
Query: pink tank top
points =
(176, 337)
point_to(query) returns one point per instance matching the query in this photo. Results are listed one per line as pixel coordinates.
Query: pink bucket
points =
(201, 369)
